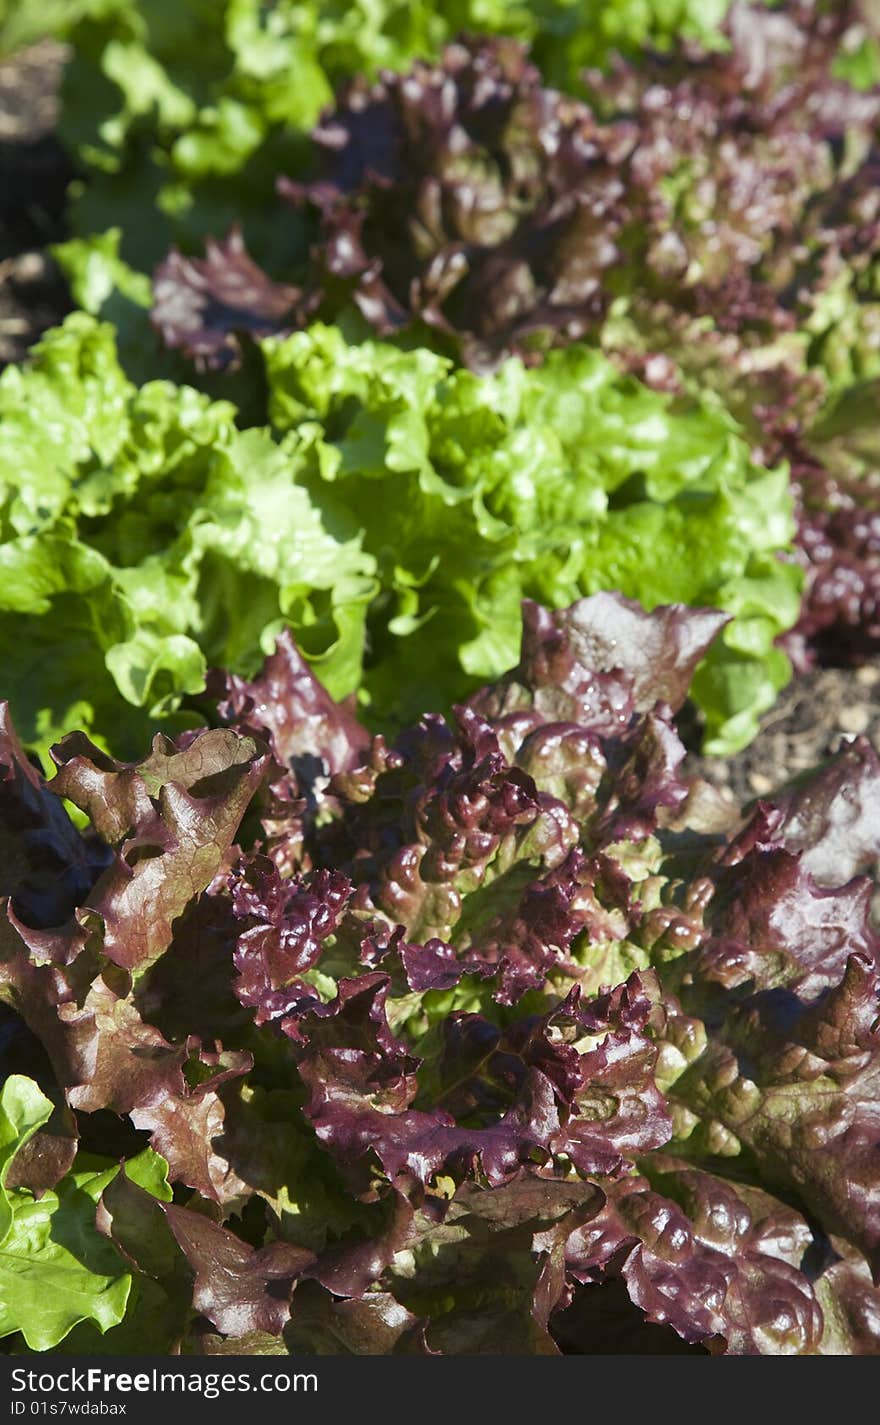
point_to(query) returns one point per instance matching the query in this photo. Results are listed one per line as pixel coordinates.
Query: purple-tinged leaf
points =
(287, 706)
(285, 926)
(698, 1261)
(46, 866)
(202, 305)
(176, 816)
(798, 1086)
(239, 1288)
(771, 924)
(184, 1127)
(599, 661)
(831, 816)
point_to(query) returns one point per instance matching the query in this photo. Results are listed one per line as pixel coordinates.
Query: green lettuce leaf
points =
(56, 1269)
(544, 484)
(23, 1109)
(394, 517)
(141, 536)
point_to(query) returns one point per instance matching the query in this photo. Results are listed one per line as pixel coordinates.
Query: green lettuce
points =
(22, 22)
(394, 518)
(545, 484)
(56, 1269)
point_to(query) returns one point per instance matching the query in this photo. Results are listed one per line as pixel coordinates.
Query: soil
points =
(34, 174)
(812, 716)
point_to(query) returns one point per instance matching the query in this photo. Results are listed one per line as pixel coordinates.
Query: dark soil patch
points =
(34, 174)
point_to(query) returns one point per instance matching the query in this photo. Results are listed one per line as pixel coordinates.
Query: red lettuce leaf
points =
(239, 1288)
(203, 304)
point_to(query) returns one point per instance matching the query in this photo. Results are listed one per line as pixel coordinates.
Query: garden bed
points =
(812, 716)
(390, 962)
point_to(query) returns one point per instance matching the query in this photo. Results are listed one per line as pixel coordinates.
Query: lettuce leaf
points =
(56, 1269)
(394, 506)
(143, 536)
(541, 483)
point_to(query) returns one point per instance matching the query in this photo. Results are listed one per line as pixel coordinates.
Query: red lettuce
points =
(503, 1039)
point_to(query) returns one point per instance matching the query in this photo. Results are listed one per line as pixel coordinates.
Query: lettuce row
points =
(197, 103)
(500, 1037)
(394, 516)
